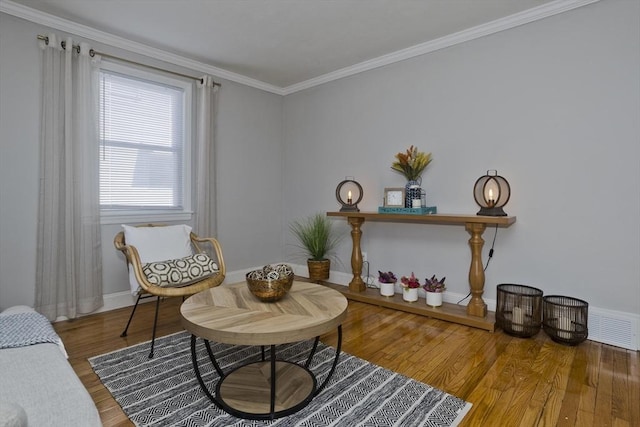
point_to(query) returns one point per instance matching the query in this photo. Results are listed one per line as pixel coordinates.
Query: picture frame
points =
(394, 197)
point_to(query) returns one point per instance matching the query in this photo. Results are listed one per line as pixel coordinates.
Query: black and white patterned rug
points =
(163, 391)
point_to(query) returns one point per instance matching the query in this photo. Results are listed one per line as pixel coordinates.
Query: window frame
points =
(117, 216)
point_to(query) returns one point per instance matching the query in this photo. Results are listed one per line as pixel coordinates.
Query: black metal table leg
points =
(194, 360)
(219, 401)
(335, 362)
(313, 351)
(213, 359)
(272, 406)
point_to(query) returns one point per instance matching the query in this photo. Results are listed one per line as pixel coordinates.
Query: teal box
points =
(428, 210)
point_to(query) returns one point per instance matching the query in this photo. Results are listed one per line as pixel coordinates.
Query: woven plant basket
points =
(319, 270)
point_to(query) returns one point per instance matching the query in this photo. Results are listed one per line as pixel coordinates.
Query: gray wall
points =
(552, 105)
(249, 144)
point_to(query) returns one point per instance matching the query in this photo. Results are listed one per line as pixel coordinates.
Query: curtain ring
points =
(63, 43)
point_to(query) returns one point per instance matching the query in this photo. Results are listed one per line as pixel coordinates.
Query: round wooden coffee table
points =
(230, 314)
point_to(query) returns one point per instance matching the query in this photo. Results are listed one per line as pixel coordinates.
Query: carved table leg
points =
(356, 283)
(477, 306)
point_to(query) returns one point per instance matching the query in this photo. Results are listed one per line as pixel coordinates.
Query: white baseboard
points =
(119, 300)
(612, 327)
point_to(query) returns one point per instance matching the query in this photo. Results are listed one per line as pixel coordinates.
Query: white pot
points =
(434, 299)
(410, 294)
(387, 289)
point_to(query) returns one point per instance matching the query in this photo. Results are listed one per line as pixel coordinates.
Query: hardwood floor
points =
(510, 381)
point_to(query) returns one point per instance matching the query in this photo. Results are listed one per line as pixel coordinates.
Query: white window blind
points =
(143, 144)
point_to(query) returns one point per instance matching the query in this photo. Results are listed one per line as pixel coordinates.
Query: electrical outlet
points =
(364, 256)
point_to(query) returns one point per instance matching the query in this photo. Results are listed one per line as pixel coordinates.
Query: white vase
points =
(387, 289)
(434, 299)
(410, 294)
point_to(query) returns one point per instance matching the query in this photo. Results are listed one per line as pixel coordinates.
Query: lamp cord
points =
(368, 279)
(493, 243)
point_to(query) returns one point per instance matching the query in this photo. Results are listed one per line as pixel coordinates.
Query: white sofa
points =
(38, 386)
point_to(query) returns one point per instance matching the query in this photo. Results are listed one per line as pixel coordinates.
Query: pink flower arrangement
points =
(410, 282)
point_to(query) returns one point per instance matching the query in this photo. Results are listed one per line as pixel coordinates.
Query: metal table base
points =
(274, 363)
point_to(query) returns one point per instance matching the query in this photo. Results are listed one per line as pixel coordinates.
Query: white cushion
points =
(12, 415)
(159, 243)
(156, 244)
(133, 282)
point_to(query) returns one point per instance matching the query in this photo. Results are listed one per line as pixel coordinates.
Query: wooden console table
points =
(474, 224)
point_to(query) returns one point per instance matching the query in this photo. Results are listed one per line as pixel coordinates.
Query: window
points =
(144, 143)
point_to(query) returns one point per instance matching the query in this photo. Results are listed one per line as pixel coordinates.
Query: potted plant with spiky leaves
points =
(317, 238)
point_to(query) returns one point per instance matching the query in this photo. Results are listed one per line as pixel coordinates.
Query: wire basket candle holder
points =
(565, 319)
(519, 309)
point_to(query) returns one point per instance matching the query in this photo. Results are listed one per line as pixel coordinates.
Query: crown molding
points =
(511, 21)
(84, 31)
(521, 18)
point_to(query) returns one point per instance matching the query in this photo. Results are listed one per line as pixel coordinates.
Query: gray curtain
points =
(69, 253)
(205, 195)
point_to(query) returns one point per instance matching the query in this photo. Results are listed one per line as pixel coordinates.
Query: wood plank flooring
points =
(510, 381)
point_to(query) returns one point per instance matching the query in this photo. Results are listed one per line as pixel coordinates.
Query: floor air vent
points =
(613, 328)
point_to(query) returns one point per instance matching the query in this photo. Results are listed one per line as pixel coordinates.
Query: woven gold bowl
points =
(271, 283)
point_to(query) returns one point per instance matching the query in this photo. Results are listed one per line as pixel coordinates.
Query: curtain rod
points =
(106, 55)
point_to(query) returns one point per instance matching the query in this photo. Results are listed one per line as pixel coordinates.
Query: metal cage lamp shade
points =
(349, 193)
(491, 192)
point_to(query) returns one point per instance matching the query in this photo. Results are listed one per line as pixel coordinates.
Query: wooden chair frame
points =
(132, 258)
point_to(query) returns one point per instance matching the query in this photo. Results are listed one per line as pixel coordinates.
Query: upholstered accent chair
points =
(168, 261)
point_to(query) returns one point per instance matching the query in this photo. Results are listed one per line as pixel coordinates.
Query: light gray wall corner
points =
(249, 163)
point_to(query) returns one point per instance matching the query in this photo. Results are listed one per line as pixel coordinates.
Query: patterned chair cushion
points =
(180, 272)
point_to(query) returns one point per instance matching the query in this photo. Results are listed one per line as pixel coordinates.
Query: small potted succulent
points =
(434, 289)
(387, 282)
(410, 287)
